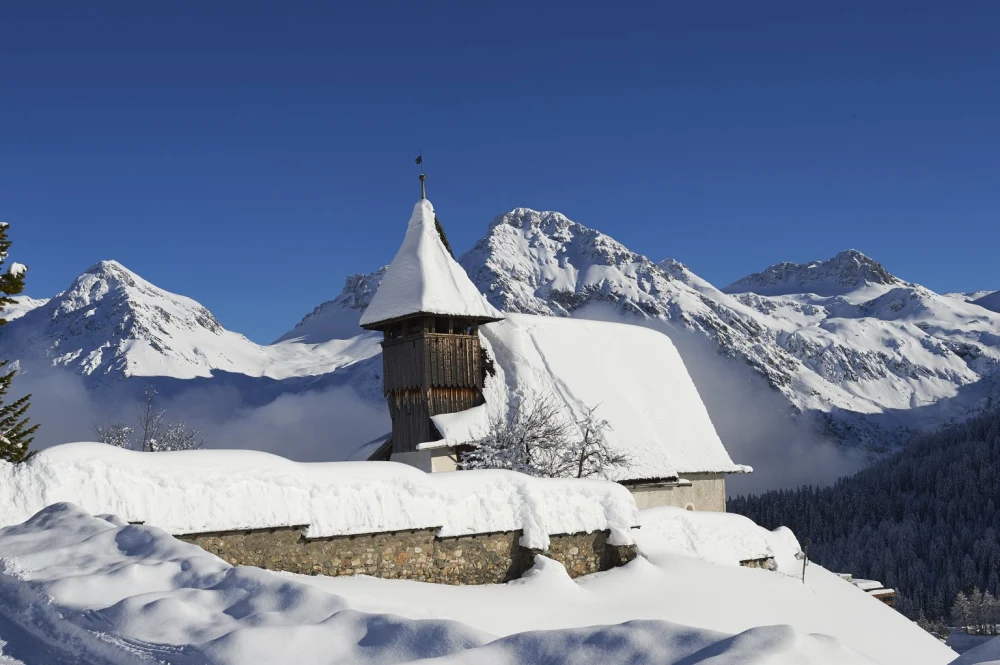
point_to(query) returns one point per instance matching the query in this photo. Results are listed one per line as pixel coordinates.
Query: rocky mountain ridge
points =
(869, 353)
(844, 340)
(847, 272)
(111, 324)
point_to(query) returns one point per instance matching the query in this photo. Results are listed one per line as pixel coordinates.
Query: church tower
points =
(429, 312)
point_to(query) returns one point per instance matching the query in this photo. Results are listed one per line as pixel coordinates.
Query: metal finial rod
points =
(420, 161)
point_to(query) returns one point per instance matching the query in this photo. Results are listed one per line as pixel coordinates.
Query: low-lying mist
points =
(756, 424)
(322, 425)
(754, 421)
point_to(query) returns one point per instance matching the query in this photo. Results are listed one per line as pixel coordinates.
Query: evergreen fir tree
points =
(15, 434)
(989, 612)
(444, 238)
(960, 611)
(976, 614)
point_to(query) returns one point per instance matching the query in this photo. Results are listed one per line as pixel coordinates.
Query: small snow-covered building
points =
(440, 332)
(632, 377)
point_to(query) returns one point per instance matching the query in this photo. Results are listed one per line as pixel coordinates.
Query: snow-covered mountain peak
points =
(549, 222)
(338, 318)
(683, 274)
(845, 273)
(112, 322)
(544, 263)
(113, 293)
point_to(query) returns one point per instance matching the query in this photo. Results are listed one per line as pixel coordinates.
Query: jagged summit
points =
(338, 318)
(137, 307)
(848, 271)
(885, 348)
(544, 263)
(108, 266)
(520, 218)
(111, 324)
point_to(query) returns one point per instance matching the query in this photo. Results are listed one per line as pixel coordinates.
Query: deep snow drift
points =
(107, 592)
(985, 654)
(223, 490)
(689, 575)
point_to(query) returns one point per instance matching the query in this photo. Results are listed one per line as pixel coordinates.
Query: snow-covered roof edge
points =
(424, 278)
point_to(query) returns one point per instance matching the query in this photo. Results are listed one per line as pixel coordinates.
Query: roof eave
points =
(377, 325)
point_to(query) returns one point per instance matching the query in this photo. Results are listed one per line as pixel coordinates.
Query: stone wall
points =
(490, 558)
(764, 563)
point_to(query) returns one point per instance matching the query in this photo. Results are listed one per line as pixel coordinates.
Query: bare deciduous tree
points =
(590, 453)
(149, 420)
(535, 438)
(114, 434)
(176, 436)
(528, 438)
(153, 433)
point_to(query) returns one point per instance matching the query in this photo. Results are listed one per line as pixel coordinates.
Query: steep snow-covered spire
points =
(423, 278)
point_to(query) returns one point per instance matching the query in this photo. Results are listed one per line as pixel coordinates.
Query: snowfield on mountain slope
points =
(984, 654)
(990, 301)
(22, 305)
(102, 591)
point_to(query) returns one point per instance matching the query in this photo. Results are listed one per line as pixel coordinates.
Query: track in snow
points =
(18, 647)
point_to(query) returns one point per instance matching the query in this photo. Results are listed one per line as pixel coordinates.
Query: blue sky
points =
(250, 155)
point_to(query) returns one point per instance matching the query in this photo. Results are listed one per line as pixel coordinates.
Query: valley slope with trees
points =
(923, 521)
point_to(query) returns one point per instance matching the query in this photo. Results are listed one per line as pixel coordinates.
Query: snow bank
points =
(721, 538)
(632, 375)
(679, 583)
(222, 490)
(987, 653)
(75, 588)
(461, 427)
(423, 277)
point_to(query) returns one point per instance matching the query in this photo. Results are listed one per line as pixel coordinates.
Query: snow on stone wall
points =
(223, 490)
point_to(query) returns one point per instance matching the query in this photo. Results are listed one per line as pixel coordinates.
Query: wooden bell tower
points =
(431, 364)
(429, 312)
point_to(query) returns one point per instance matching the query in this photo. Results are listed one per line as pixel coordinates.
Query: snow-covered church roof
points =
(631, 376)
(424, 278)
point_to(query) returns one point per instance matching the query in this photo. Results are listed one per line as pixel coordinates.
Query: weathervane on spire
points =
(420, 160)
